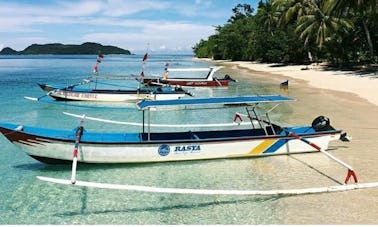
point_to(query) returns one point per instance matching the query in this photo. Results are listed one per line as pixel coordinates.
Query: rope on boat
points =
(158, 125)
(151, 189)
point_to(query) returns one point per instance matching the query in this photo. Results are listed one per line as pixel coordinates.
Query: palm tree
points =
(365, 10)
(318, 24)
(314, 24)
(290, 10)
(268, 15)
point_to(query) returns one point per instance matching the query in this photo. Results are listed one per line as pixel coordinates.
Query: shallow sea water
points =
(26, 200)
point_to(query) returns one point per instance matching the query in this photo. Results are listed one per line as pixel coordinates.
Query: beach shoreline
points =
(365, 85)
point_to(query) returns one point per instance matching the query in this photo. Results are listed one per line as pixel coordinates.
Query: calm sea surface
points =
(26, 200)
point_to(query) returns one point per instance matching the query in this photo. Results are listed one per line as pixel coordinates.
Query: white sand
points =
(364, 85)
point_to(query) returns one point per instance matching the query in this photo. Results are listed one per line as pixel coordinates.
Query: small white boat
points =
(261, 139)
(72, 93)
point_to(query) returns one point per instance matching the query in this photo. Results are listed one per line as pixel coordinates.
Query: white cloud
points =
(61, 8)
(207, 3)
(161, 36)
(111, 22)
(126, 7)
(78, 8)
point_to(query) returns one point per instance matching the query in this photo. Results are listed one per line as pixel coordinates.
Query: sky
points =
(164, 26)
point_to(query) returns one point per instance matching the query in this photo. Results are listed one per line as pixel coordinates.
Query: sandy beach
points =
(364, 85)
(350, 100)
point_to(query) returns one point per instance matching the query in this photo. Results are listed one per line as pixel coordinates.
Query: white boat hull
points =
(162, 152)
(111, 97)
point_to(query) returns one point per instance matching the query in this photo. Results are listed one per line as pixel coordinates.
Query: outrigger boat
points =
(73, 93)
(265, 138)
(262, 138)
(209, 81)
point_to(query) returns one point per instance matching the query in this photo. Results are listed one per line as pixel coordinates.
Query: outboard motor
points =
(228, 77)
(179, 88)
(322, 123)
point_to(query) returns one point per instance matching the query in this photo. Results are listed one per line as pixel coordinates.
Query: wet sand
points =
(348, 111)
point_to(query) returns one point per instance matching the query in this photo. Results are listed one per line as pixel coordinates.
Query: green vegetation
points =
(57, 48)
(341, 32)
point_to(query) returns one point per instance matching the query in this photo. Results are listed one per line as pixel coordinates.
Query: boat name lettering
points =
(77, 94)
(188, 148)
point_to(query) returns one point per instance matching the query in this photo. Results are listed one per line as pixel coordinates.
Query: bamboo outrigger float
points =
(185, 191)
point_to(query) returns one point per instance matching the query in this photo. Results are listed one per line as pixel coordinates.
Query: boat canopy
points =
(212, 68)
(236, 100)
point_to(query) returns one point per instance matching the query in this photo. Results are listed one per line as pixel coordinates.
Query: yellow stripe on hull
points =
(262, 147)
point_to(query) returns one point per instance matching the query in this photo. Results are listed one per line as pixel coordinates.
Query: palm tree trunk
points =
(370, 43)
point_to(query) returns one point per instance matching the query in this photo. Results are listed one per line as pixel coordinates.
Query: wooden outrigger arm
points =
(351, 172)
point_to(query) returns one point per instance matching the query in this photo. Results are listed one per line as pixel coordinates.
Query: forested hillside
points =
(58, 48)
(340, 32)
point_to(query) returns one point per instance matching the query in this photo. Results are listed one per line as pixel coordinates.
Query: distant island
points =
(58, 48)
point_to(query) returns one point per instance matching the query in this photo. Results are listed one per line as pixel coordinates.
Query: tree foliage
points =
(297, 31)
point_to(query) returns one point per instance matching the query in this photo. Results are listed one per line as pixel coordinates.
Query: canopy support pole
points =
(143, 113)
(149, 124)
(268, 118)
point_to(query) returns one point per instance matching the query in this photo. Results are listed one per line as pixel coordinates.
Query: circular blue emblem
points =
(164, 150)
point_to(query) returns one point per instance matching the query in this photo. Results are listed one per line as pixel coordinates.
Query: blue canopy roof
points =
(145, 104)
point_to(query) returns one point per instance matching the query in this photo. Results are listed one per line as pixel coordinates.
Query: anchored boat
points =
(73, 93)
(262, 138)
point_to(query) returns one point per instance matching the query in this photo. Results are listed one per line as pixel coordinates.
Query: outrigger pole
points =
(79, 133)
(351, 172)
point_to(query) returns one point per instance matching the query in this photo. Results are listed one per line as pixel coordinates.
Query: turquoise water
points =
(26, 200)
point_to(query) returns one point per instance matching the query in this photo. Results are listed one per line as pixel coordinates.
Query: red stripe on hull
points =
(192, 83)
(200, 83)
